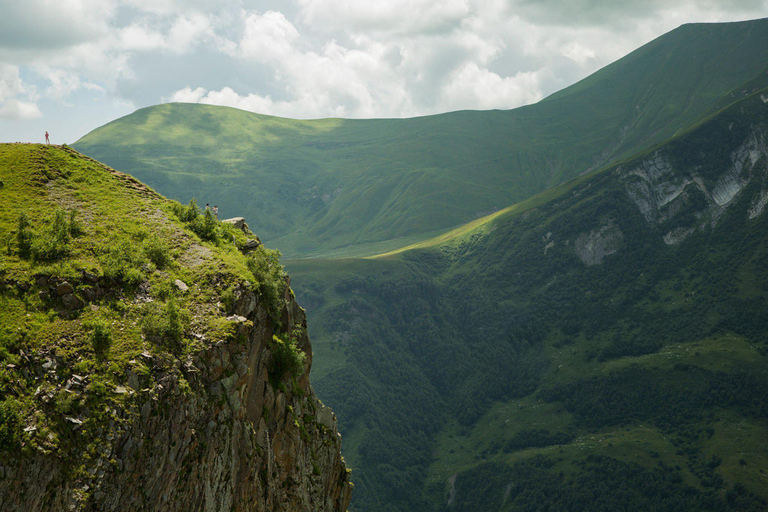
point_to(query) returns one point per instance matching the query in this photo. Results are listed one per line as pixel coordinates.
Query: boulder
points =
(181, 285)
(64, 288)
(251, 245)
(71, 301)
(237, 223)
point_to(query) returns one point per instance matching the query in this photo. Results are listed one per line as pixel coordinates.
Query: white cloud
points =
(268, 38)
(17, 110)
(578, 53)
(45, 24)
(10, 82)
(476, 88)
(316, 58)
(11, 86)
(398, 16)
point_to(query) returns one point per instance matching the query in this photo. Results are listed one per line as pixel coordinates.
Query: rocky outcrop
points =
(214, 432)
(758, 204)
(593, 247)
(662, 192)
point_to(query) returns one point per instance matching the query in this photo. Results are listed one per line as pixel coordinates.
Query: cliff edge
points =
(151, 357)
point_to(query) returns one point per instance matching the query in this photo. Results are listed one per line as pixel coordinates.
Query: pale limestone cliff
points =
(661, 192)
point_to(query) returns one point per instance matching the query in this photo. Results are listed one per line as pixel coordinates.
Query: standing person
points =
(47, 141)
(216, 212)
(207, 206)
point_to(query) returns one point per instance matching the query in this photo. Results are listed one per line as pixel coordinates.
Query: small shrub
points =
(228, 299)
(75, 227)
(10, 424)
(186, 213)
(157, 252)
(121, 262)
(165, 325)
(287, 357)
(101, 336)
(269, 275)
(24, 235)
(53, 243)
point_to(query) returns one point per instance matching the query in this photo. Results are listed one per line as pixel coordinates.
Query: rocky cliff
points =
(130, 416)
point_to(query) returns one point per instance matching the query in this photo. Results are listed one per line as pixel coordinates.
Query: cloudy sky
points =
(69, 66)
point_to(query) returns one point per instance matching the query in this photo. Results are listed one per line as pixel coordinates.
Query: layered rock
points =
(215, 432)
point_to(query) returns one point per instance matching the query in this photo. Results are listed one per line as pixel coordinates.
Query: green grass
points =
(327, 187)
(129, 239)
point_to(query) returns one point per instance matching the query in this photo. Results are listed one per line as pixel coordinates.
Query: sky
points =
(70, 66)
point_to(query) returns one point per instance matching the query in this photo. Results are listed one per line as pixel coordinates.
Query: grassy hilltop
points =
(350, 186)
(140, 341)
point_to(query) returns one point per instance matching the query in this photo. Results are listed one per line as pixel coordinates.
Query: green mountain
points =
(352, 187)
(601, 346)
(148, 360)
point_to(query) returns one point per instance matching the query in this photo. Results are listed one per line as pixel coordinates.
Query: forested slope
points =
(602, 347)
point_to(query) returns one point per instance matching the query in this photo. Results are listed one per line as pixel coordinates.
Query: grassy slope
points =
(133, 243)
(326, 186)
(435, 334)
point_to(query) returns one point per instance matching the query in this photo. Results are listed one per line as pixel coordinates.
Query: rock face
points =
(593, 247)
(671, 196)
(212, 434)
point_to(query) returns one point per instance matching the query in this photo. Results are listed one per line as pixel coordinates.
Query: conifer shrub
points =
(206, 227)
(203, 224)
(186, 213)
(24, 235)
(53, 243)
(121, 262)
(75, 227)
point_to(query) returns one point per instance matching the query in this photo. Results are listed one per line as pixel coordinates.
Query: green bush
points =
(206, 226)
(53, 243)
(269, 275)
(228, 298)
(24, 235)
(101, 336)
(287, 357)
(203, 225)
(75, 227)
(10, 425)
(122, 262)
(165, 325)
(157, 252)
(186, 213)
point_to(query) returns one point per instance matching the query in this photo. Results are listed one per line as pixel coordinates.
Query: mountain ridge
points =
(334, 183)
(524, 336)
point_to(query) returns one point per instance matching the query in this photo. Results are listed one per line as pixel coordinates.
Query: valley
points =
(561, 306)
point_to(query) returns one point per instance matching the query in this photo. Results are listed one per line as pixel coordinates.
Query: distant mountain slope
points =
(313, 187)
(601, 346)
